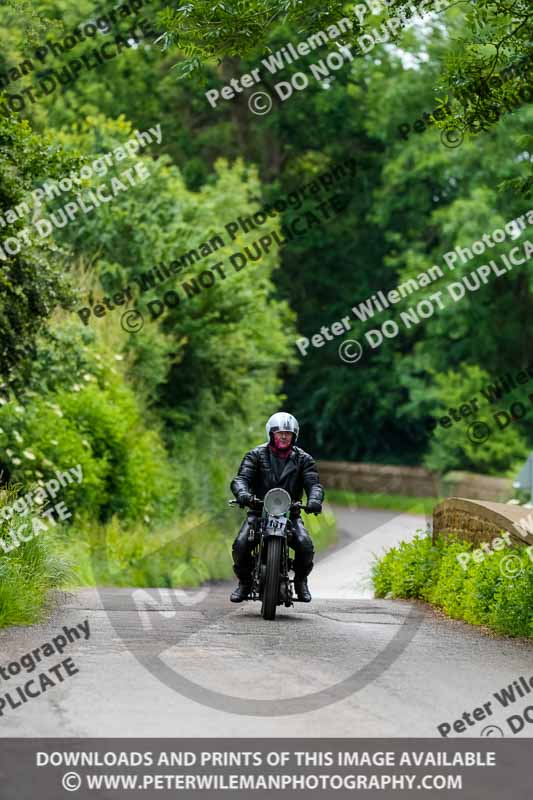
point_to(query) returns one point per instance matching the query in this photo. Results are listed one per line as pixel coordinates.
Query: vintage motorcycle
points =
(272, 536)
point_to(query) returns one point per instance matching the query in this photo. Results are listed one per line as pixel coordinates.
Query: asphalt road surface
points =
(181, 664)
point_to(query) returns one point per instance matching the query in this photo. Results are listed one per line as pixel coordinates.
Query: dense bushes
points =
(94, 419)
(497, 592)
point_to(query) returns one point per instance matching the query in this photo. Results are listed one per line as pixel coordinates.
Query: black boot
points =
(302, 590)
(241, 592)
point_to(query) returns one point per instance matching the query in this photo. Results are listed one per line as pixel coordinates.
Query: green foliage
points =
(486, 593)
(28, 572)
(486, 37)
(97, 423)
(31, 284)
(235, 27)
(159, 421)
(453, 447)
(163, 418)
(487, 71)
(404, 571)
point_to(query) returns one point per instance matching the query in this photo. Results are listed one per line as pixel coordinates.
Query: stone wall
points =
(411, 481)
(481, 521)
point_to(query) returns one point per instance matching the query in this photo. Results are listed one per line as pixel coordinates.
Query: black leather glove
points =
(244, 499)
(314, 507)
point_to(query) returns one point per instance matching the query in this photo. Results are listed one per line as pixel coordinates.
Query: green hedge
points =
(497, 592)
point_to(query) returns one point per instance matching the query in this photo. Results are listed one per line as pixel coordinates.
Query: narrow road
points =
(166, 663)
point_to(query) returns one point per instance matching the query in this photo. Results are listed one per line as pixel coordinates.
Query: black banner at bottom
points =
(48, 769)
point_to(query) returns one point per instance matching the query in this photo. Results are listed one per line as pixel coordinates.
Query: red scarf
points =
(279, 453)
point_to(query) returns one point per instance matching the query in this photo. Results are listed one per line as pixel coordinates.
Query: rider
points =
(277, 463)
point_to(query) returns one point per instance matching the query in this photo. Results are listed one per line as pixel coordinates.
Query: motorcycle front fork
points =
(287, 565)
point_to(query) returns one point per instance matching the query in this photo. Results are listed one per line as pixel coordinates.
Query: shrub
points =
(485, 593)
(125, 467)
(405, 571)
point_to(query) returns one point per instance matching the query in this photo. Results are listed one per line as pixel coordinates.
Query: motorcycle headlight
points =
(277, 502)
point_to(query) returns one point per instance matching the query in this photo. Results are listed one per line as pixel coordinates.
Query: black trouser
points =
(301, 542)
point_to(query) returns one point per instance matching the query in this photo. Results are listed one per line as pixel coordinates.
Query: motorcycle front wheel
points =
(272, 576)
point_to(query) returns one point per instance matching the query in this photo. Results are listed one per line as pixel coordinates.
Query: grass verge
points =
(174, 556)
(392, 502)
(88, 554)
(28, 569)
(496, 592)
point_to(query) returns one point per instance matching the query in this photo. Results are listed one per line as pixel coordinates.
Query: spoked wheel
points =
(272, 576)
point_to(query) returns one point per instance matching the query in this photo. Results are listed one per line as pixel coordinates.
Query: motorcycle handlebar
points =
(257, 502)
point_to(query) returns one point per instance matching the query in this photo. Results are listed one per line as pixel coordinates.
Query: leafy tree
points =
(31, 284)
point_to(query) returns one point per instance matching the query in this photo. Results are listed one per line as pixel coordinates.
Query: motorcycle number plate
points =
(276, 527)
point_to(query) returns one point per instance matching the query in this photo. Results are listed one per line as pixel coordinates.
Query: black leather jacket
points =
(256, 475)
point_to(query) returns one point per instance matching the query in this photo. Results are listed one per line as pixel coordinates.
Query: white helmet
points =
(282, 422)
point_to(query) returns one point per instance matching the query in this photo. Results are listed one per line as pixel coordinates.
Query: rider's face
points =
(283, 439)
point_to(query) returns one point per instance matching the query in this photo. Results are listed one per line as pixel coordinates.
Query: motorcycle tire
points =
(272, 577)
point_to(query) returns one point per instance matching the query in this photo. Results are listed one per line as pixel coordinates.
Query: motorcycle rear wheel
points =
(272, 577)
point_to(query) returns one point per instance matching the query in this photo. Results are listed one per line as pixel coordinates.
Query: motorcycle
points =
(271, 536)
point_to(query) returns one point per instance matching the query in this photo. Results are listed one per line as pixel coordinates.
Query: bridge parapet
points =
(482, 521)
